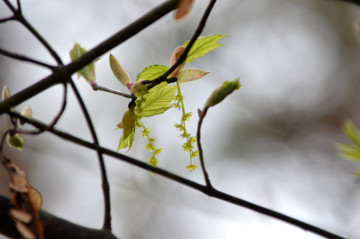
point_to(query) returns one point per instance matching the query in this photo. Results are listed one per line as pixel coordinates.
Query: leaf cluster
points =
(162, 97)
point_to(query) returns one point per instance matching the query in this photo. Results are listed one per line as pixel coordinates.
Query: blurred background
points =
(271, 143)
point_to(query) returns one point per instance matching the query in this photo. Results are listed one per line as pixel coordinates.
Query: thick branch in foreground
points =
(55, 228)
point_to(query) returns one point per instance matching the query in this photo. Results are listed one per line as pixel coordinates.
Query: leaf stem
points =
(95, 86)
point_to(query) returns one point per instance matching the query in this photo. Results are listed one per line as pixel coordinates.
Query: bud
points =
(16, 141)
(5, 93)
(138, 88)
(220, 93)
(27, 112)
(174, 56)
(119, 71)
(183, 8)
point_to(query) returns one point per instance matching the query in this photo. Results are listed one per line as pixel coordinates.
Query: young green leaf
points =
(128, 126)
(88, 72)
(128, 122)
(220, 93)
(151, 72)
(158, 100)
(119, 71)
(16, 141)
(349, 151)
(127, 142)
(351, 132)
(202, 46)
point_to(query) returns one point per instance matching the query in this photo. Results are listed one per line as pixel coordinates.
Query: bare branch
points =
(25, 58)
(55, 228)
(210, 191)
(116, 92)
(90, 56)
(198, 139)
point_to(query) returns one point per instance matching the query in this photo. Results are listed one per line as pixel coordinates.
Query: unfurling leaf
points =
(16, 141)
(174, 56)
(119, 71)
(128, 126)
(5, 93)
(126, 143)
(88, 72)
(183, 8)
(351, 132)
(191, 74)
(128, 122)
(222, 92)
(158, 100)
(202, 46)
(151, 72)
(349, 151)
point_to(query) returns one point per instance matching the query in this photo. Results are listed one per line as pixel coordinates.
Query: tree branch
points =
(210, 191)
(55, 228)
(69, 69)
(63, 73)
(202, 115)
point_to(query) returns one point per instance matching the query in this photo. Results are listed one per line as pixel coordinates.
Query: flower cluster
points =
(150, 146)
(188, 146)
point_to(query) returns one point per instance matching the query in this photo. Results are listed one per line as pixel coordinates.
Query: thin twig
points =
(82, 61)
(184, 54)
(3, 20)
(85, 59)
(53, 122)
(25, 58)
(198, 139)
(19, 17)
(95, 86)
(11, 7)
(210, 191)
(105, 183)
(104, 179)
